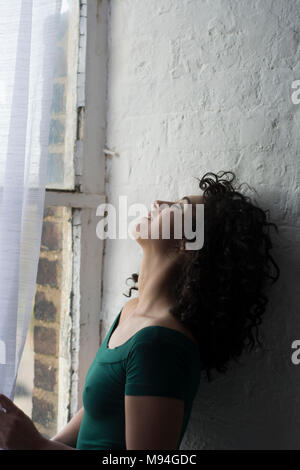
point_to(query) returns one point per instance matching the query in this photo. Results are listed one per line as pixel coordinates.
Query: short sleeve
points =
(156, 368)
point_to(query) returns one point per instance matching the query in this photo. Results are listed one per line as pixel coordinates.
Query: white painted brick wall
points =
(205, 85)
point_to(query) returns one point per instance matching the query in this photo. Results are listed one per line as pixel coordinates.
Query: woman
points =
(196, 310)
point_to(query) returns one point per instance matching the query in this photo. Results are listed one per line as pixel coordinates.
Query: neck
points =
(157, 277)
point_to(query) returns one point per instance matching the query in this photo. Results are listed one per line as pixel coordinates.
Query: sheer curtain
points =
(28, 31)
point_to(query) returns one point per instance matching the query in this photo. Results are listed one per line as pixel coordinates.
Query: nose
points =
(155, 207)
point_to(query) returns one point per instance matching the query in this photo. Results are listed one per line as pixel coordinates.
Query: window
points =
(64, 334)
(60, 164)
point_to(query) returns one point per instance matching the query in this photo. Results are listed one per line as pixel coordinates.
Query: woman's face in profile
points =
(163, 217)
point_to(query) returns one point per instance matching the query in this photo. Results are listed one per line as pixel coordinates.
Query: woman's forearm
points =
(68, 435)
(50, 444)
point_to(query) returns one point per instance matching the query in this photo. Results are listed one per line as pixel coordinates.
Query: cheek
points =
(164, 220)
(168, 220)
(154, 226)
(176, 221)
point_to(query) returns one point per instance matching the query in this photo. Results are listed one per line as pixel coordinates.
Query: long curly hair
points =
(221, 289)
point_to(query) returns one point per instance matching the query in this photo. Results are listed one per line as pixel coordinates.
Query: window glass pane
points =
(43, 382)
(62, 134)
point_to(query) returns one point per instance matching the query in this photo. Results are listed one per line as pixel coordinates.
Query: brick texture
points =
(44, 376)
(45, 340)
(51, 236)
(47, 272)
(47, 308)
(44, 309)
(43, 412)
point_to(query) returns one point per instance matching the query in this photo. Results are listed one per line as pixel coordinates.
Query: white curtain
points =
(28, 30)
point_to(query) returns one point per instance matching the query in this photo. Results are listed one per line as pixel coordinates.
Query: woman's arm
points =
(68, 435)
(155, 387)
(48, 444)
(164, 418)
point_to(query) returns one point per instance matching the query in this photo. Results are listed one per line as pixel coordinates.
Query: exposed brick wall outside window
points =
(47, 320)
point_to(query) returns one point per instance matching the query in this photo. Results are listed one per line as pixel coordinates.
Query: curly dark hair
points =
(221, 289)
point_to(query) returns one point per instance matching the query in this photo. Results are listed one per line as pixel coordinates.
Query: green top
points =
(156, 360)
